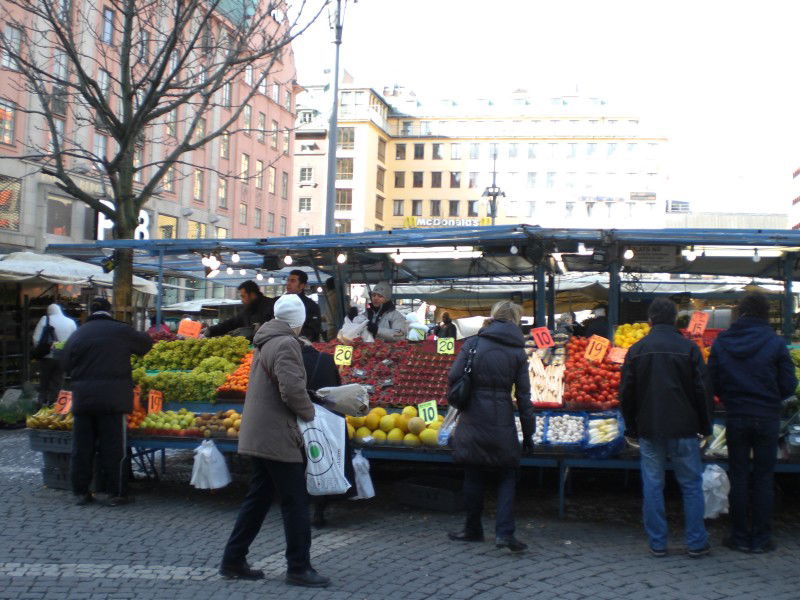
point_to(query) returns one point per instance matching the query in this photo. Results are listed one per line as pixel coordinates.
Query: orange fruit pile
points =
(237, 381)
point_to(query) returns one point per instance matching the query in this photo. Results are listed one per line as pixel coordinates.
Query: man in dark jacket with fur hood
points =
(752, 373)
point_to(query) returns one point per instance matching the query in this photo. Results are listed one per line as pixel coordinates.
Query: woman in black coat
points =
(485, 440)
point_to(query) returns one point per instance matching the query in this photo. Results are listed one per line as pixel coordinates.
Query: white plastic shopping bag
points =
(352, 329)
(351, 399)
(209, 471)
(324, 446)
(715, 491)
(364, 487)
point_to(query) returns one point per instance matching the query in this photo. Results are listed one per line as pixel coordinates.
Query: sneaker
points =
(700, 552)
(240, 572)
(308, 578)
(511, 543)
(83, 499)
(658, 553)
(465, 536)
(768, 547)
(731, 544)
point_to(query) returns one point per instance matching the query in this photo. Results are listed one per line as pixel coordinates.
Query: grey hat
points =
(384, 289)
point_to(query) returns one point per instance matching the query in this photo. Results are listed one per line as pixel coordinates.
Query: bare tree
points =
(149, 74)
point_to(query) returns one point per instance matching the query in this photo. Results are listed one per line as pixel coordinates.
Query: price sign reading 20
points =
(343, 355)
(445, 346)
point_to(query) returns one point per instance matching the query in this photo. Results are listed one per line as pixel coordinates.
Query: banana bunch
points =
(45, 418)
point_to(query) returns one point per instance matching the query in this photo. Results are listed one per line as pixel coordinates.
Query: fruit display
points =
(235, 384)
(564, 429)
(628, 334)
(547, 382)
(589, 385)
(189, 353)
(136, 418)
(180, 386)
(45, 418)
(169, 422)
(405, 428)
(602, 431)
(222, 423)
(422, 377)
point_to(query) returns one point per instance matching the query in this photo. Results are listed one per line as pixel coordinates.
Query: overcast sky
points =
(717, 78)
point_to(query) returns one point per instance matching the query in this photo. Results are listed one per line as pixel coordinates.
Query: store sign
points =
(415, 222)
(445, 346)
(343, 356)
(104, 224)
(63, 403)
(427, 411)
(654, 258)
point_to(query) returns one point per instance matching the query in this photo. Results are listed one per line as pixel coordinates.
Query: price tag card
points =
(155, 401)
(137, 397)
(542, 338)
(63, 403)
(597, 348)
(343, 355)
(188, 328)
(427, 411)
(698, 323)
(445, 346)
(617, 355)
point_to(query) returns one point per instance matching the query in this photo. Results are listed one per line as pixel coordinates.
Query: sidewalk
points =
(166, 546)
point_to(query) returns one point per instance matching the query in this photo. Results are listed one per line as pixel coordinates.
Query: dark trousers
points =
(51, 377)
(289, 481)
(758, 436)
(105, 434)
(475, 479)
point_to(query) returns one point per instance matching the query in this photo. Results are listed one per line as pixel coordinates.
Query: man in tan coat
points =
(276, 397)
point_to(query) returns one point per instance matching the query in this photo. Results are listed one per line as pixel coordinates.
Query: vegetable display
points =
(589, 385)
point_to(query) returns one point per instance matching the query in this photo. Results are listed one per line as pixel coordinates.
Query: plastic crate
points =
(47, 440)
(56, 461)
(56, 478)
(432, 494)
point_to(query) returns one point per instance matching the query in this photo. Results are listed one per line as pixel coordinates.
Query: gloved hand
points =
(372, 328)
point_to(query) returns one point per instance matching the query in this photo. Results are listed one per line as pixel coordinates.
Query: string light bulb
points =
(287, 260)
(235, 258)
(397, 258)
(756, 256)
(229, 270)
(205, 261)
(243, 272)
(628, 254)
(513, 250)
(691, 255)
(341, 258)
(259, 276)
(271, 280)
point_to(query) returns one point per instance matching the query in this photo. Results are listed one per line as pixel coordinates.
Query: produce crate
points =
(47, 440)
(434, 494)
(56, 461)
(56, 479)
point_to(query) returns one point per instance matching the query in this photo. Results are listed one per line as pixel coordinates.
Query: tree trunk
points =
(123, 273)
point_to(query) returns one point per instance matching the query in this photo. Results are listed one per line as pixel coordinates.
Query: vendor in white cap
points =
(384, 322)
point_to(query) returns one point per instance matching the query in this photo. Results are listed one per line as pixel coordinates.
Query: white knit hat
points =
(291, 310)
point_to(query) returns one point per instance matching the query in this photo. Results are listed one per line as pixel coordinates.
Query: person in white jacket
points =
(51, 373)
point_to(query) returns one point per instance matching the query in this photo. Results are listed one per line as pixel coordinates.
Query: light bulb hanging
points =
(691, 255)
(756, 256)
(628, 254)
(397, 258)
(271, 280)
(259, 276)
(287, 260)
(235, 258)
(242, 272)
(229, 270)
(341, 258)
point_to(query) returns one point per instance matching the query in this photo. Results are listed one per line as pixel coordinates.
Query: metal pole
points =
(494, 188)
(787, 306)
(551, 302)
(613, 297)
(541, 296)
(330, 202)
(160, 294)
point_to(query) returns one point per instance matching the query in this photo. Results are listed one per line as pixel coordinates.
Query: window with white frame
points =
(304, 204)
(107, 35)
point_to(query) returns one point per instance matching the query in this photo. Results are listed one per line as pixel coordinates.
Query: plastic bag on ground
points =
(364, 487)
(323, 439)
(351, 399)
(210, 471)
(715, 491)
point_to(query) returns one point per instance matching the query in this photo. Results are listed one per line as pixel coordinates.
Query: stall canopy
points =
(30, 267)
(197, 306)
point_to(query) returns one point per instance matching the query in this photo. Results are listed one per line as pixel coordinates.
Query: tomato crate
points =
(46, 440)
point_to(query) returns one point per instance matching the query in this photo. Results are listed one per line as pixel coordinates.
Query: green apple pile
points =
(169, 420)
(190, 353)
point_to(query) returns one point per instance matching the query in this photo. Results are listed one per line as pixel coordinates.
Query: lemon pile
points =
(628, 334)
(397, 429)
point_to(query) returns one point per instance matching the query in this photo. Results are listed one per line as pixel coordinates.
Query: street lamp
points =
(493, 191)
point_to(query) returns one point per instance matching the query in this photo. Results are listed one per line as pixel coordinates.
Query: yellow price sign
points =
(445, 346)
(343, 355)
(427, 411)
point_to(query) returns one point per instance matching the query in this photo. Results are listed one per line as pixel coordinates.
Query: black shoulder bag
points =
(46, 340)
(461, 390)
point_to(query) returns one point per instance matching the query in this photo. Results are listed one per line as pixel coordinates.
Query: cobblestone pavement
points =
(167, 545)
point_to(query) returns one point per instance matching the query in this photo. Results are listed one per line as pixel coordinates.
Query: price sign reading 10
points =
(427, 411)
(343, 355)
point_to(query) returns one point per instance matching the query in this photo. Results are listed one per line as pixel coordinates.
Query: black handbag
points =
(46, 340)
(460, 392)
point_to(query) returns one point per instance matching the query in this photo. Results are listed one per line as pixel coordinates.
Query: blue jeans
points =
(757, 437)
(475, 479)
(685, 455)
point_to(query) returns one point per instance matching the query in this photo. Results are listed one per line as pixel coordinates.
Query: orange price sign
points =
(155, 401)
(617, 355)
(63, 403)
(597, 348)
(698, 323)
(189, 328)
(137, 397)
(542, 338)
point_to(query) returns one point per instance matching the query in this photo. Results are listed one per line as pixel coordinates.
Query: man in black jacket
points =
(258, 309)
(666, 401)
(752, 373)
(98, 358)
(296, 284)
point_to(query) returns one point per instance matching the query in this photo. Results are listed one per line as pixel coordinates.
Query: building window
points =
(138, 159)
(551, 180)
(107, 35)
(343, 226)
(104, 82)
(344, 168)
(381, 150)
(591, 148)
(60, 65)
(286, 141)
(100, 144)
(531, 151)
(197, 187)
(248, 75)
(512, 151)
(259, 174)
(196, 230)
(472, 208)
(436, 208)
(199, 130)
(282, 230)
(400, 152)
(168, 181)
(425, 127)
(222, 192)
(379, 207)
(144, 47)
(221, 233)
(493, 148)
(455, 151)
(380, 176)
(225, 145)
(474, 151)
(226, 95)
(305, 174)
(261, 128)
(274, 136)
(455, 179)
(453, 208)
(287, 102)
(167, 227)
(13, 46)
(304, 205)
(276, 93)
(632, 149)
(436, 151)
(397, 208)
(59, 216)
(419, 151)
(344, 199)
(284, 185)
(345, 138)
(436, 179)
(257, 218)
(473, 180)
(244, 168)
(408, 128)
(270, 222)
(572, 150)
(399, 179)
(172, 123)
(242, 213)
(418, 179)
(7, 120)
(531, 179)
(272, 175)
(416, 208)
(247, 118)
(303, 231)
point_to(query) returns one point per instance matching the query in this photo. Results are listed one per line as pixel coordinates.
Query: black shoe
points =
(731, 544)
(118, 500)
(240, 572)
(511, 543)
(700, 552)
(308, 578)
(465, 536)
(768, 547)
(658, 553)
(83, 499)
